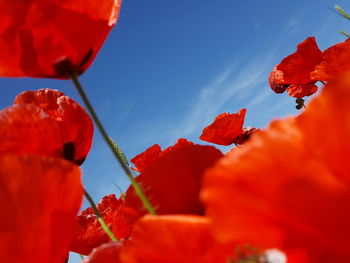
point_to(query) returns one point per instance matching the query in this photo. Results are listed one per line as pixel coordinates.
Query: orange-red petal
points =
(142, 160)
(296, 68)
(36, 34)
(39, 199)
(225, 128)
(173, 181)
(289, 186)
(275, 81)
(89, 233)
(106, 253)
(335, 60)
(302, 90)
(46, 122)
(172, 239)
(146, 158)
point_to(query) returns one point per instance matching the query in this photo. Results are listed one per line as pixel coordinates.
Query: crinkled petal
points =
(37, 34)
(46, 122)
(89, 233)
(296, 68)
(289, 186)
(225, 128)
(276, 81)
(39, 199)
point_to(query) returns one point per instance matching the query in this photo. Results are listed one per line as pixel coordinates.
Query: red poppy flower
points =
(335, 60)
(145, 159)
(106, 253)
(39, 199)
(46, 122)
(225, 128)
(173, 238)
(296, 68)
(89, 233)
(173, 181)
(36, 35)
(289, 187)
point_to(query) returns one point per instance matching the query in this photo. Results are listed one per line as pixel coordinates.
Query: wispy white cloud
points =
(234, 88)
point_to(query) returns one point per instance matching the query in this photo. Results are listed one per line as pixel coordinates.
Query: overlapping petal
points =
(302, 90)
(46, 122)
(39, 200)
(38, 36)
(335, 60)
(225, 128)
(173, 181)
(89, 233)
(172, 239)
(146, 158)
(275, 80)
(289, 187)
(296, 68)
(106, 253)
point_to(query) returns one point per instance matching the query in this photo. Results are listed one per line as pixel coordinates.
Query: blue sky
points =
(169, 67)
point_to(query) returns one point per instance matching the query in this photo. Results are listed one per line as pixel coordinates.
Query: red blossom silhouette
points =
(89, 233)
(225, 128)
(288, 187)
(172, 182)
(48, 123)
(37, 35)
(39, 199)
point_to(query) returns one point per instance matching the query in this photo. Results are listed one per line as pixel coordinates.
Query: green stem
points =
(113, 146)
(344, 33)
(99, 217)
(342, 12)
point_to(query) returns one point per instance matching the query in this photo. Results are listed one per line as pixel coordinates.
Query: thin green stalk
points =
(81, 257)
(344, 33)
(99, 217)
(342, 12)
(113, 146)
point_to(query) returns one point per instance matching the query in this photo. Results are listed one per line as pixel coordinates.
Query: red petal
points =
(39, 200)
(37, 34)
(225, 128)
(297, 67)
(290, 183)
(142, 160)
(117, 216)
(275, 81)
(106, 253)
(179, 144)
(335, 60)
(172, 182)
(145, 159)
(46, 122)
(300, 91)
(245, 135)
(173, 238)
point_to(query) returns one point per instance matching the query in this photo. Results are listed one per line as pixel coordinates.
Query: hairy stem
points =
(117, 152)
